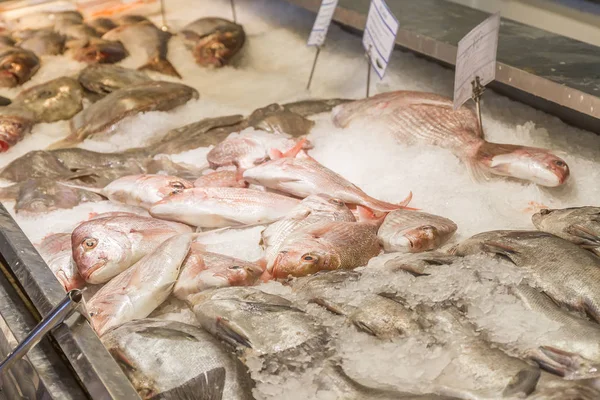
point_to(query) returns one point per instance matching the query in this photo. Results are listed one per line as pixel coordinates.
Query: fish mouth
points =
(88, 274)
(9, 78)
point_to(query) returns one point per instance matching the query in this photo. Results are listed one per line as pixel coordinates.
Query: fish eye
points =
(89, 243)
(44, 94)
(544, 211)
(560, 163)
(177, 185)
(235, 267)
(337, 202)
(309, 257)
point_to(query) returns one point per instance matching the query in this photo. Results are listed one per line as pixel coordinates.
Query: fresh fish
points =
(144, 190)
(105, 79)
(102, 116)
(98, 51)
(43, 195)
(275, 118)
(136, 292)
(34, 164)
(104, 247)
(56, 252)
(580, 225)
(417, 117)
(213, 41)
(417, 264)
(17, 66)
(203, 270)
(306, 108)
(262, 324)
(567, 273)
(221, 207)
(55, 100)
(16, 121)
(44, 42)
(131, 19)
(43, 20)
(313, 209)
(302, 177)
(75, 32)
(412, 231)
(327, 245)
(173, 360)
(133, 160)
(153, 40)
(102, 25)
(220, 179)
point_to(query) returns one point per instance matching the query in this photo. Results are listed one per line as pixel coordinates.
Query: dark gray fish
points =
(213, 41)
(102, 25)
(147, 36)
(16, 121)
(4, 101)
(98, 51)
(307, 108)
(44, 42)
(17, 66)
(76, 31)
(163, 357)
(567, 273)
(6, 41)
(34, 164)
(55, 100)
(277, 119)
(105, 79)
(101, 117)
(580, 225)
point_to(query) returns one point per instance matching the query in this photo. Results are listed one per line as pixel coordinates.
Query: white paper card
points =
(476, 56)
(380, 35)
(322, 22)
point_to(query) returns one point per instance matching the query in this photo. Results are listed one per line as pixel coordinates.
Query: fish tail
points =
(161, 65)
(379, 205)
(66, 143)
(89, 189)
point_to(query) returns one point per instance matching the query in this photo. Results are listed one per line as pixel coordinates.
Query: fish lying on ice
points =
(580, 225)
(276, 118)
(313, 209)
(44, 42)
(203, 270)
(102, 79)
(213, 41)
(327, 245)
(136, 292)
(147, 36)
(567, 273)
(55, 100)
(104, 247)
(413, 231)
(98, 51)
(56, 252)
(220, 179)
(173, 360)
(101, 117)
(212, 207)
(17, 66)
(302, 177)
(418, 117)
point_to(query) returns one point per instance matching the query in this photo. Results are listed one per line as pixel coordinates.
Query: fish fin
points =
(275, 154)
(239, 174)
(10, 192)
(89, 189)
(330, 306)
(161, 65)
(498, 248)
(397, 264)
(208, 385)
(523, 383)
(584, 233)
(395, 297)
(476, 171)
(230, 334)
(366, 215)
(569, 365)
(66, 143)
(266, 276)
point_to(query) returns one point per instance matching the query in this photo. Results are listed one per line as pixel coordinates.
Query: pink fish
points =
(56, 251)
(220, 179)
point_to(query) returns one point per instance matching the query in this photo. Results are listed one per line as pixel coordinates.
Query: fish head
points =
(418, 239)
(532, 164)
(539, 217)
(17, 66)
(100, 52)
(216, 50)
(304, 258)
(241, 275)
(13, 128)
(166, 185)
(100, 253)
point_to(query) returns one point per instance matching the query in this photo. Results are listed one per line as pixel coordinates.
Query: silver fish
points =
(136, 292)
(105, 79)
(413, 231)
(168, 359)
(147, 36)
(213, 41)
(580, 225)
(17, 66)
(418, 117)
(567, 273)
(302, 177)
(102, 116)
(55, 100)
(56, 252)
(104, 247)
(213, 207)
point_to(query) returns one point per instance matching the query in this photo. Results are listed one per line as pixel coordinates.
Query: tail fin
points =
(379, 205)
(366, 215)
(161, 65)
(275, 154)
(89, 189)
(66, 143)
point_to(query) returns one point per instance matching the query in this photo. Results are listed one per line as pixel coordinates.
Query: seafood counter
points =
(238, 237)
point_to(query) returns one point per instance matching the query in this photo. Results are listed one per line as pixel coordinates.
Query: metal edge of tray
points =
(97, 371)
(43, 373)
(572, 105)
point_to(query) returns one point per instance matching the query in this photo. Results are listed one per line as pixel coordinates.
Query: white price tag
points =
(476, 56)
(380, 35)
(322, 22)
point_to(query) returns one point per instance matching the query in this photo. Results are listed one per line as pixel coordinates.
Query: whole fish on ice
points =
(580, 225)
(136, 292)
(302, 177)
(56, 252)
(418, 117)
(44, 42)
(98, 51)
(17, 66)
(212, 207)
(413, 231)
(102, 80)
(102, 116)
(213, 41)
(104, 247)
(55, 100)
